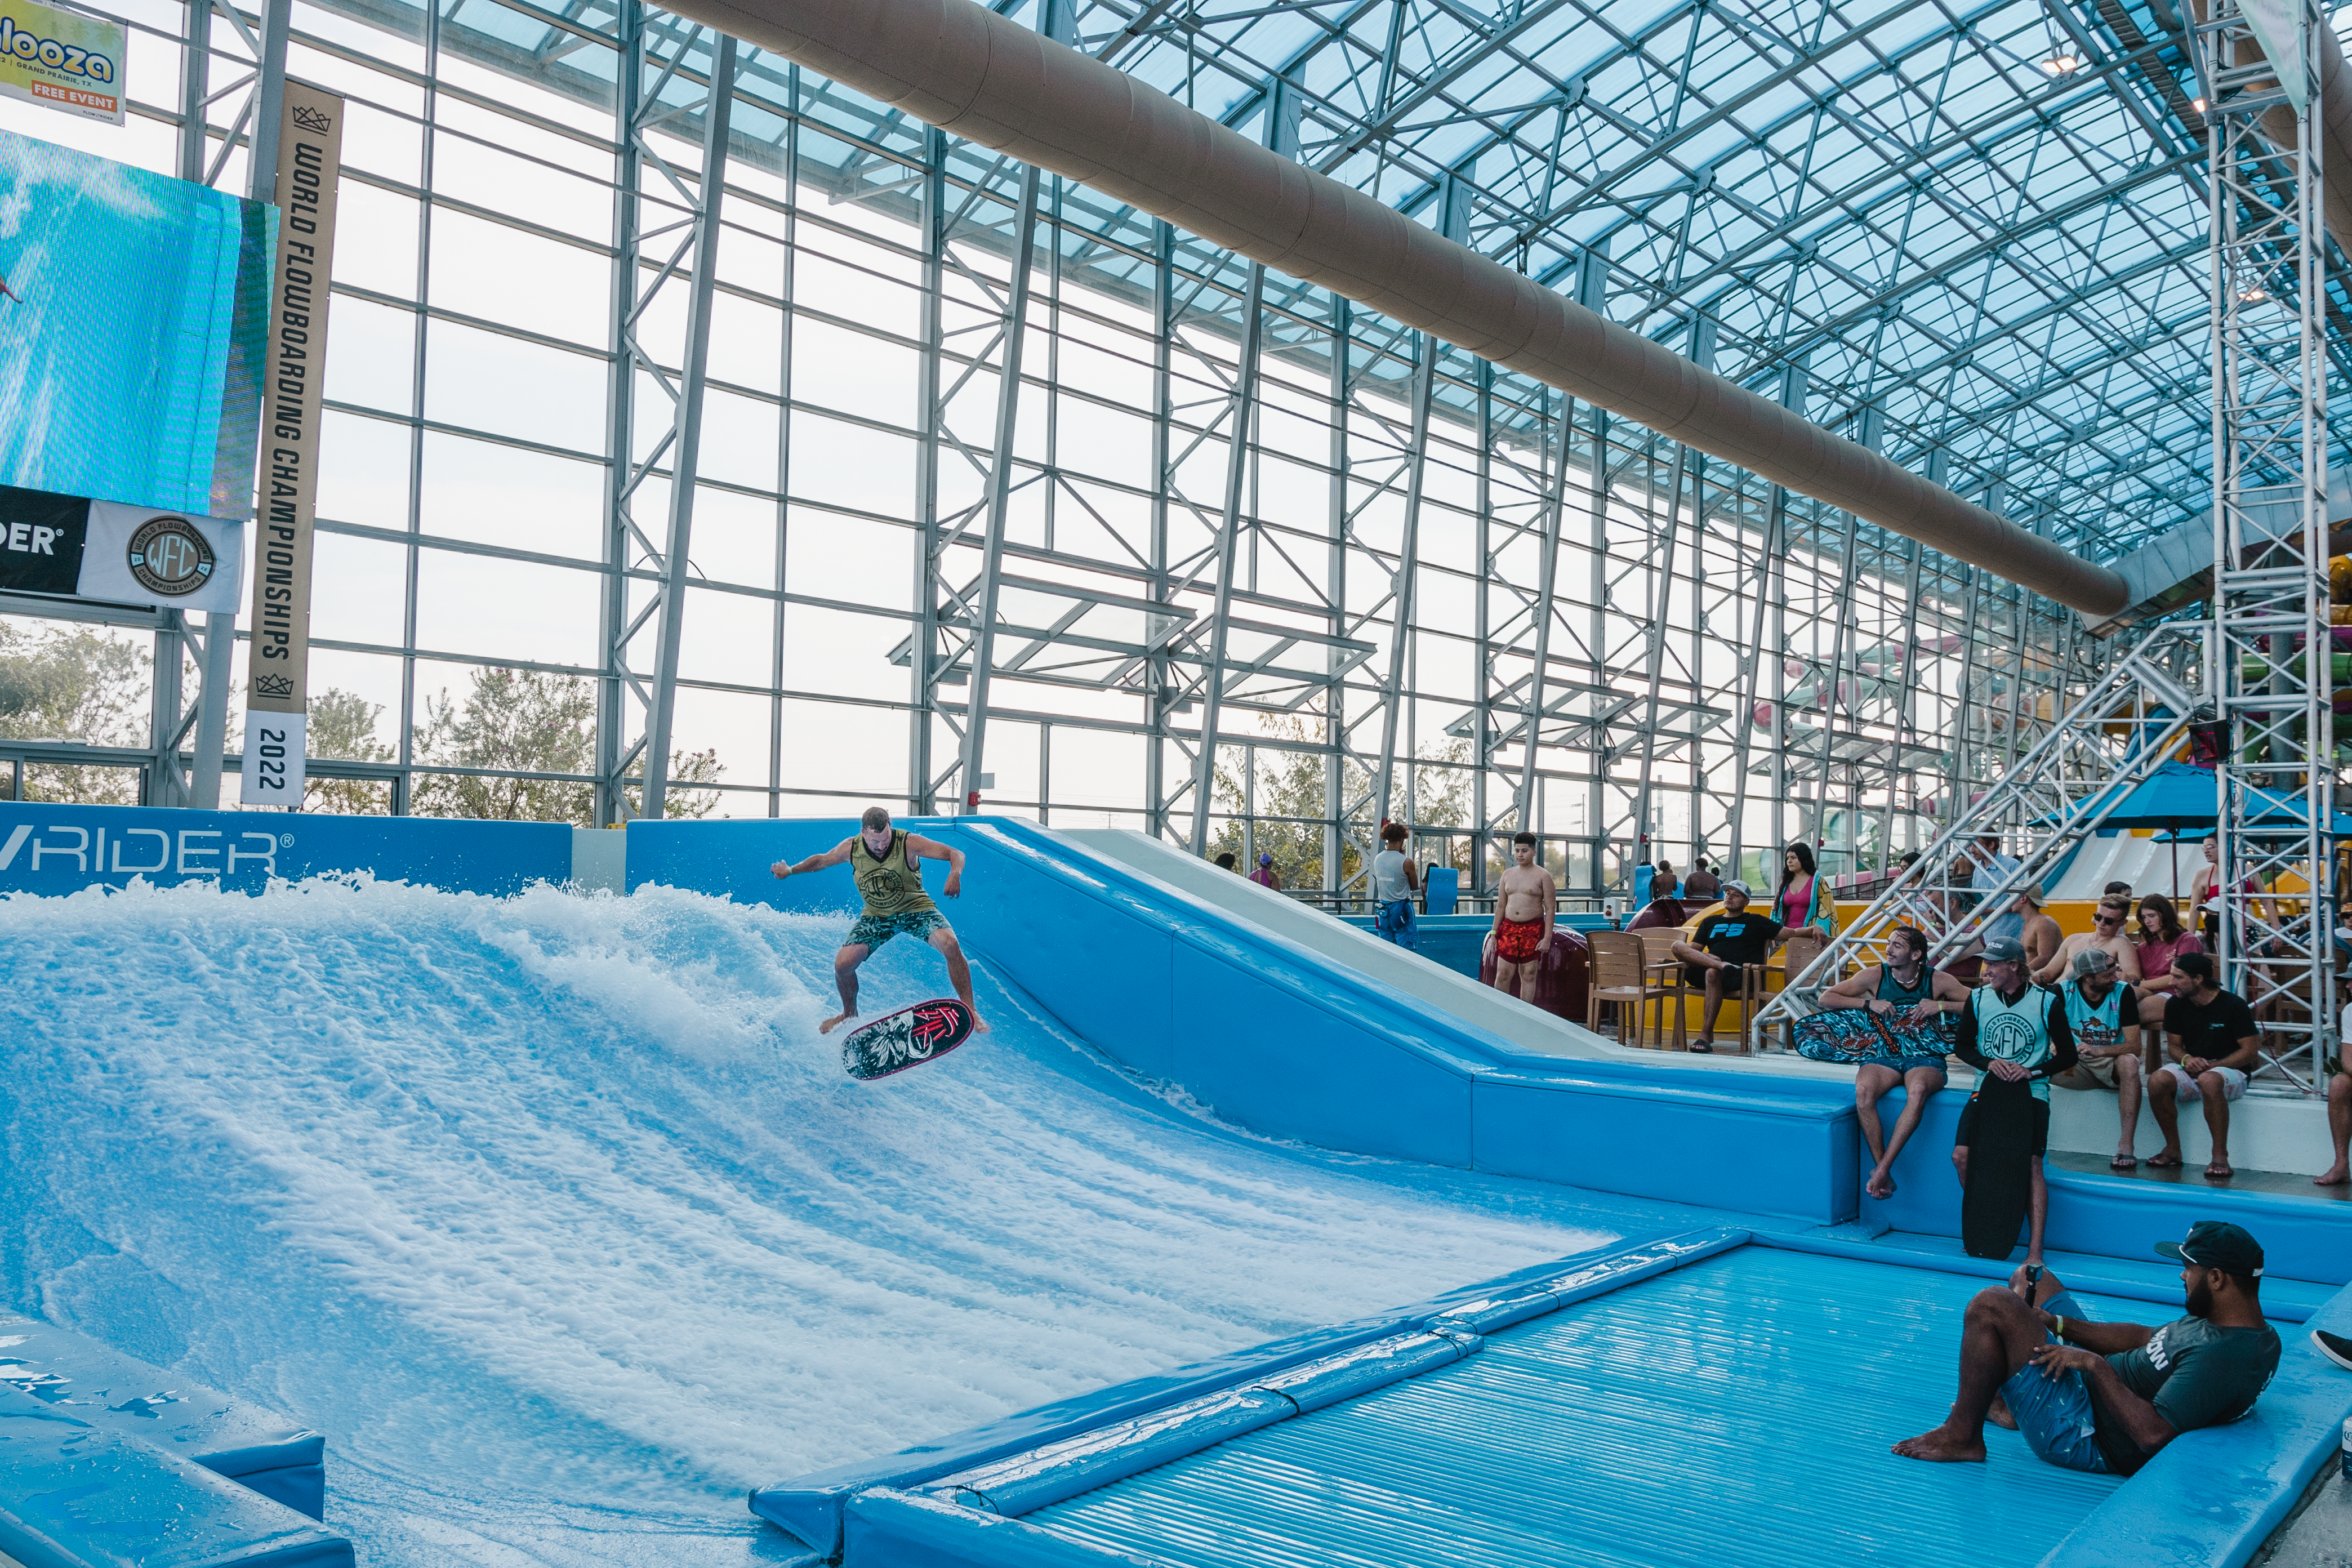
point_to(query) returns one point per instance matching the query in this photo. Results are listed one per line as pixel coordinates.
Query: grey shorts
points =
(872, 931)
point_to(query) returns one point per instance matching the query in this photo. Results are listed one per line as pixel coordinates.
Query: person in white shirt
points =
(1395, 881)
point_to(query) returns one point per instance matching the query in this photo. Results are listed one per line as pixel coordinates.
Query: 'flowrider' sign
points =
(125, 554)
(309, 164)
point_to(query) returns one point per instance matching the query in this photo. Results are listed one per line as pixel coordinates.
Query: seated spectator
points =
(1904, 992)
(1725, 943)
(2161, 939)
(2105, 1018)
(2116, 891)
(1663, 885)
(1701, 886)
(2209, 1034)
(2106, 1397)
(2108, 934)
(1226, 860)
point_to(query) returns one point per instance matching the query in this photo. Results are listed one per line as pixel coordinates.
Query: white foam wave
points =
(558, 1216)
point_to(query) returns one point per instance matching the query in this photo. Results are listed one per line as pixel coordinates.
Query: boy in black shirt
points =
(1725, 943)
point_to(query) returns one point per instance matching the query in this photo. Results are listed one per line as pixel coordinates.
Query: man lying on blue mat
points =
(2104, 1397)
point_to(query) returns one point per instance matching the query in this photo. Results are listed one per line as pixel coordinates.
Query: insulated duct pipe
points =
(2334, 130)
(964, 69)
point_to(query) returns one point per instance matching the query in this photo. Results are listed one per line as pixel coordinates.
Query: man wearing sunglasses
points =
(2110, 932)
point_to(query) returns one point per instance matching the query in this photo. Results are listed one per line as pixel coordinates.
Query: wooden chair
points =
(1621, 974)
(1750, 996)
(1662, 969)
(1804, 944)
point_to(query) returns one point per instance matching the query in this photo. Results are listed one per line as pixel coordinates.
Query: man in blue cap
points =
(2106, 1397)
(2010, 1028)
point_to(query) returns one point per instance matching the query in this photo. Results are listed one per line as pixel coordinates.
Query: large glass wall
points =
(1726, 666)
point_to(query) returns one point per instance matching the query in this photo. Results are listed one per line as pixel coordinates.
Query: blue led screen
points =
(133, 310)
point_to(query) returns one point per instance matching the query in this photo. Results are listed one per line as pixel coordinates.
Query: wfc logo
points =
(65, 848)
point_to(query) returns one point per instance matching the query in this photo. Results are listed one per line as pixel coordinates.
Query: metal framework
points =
(2276, 768)
(908, 474)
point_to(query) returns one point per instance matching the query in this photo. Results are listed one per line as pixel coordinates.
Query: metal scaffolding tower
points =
(661, 100)
(2273, 687)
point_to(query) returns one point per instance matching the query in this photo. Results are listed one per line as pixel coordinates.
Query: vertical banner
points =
(310, 163)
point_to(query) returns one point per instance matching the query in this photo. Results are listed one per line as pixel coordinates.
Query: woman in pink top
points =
(2162, 939)
(1799, 901)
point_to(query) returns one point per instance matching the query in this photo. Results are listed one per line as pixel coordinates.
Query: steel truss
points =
(665, 93)
(2276, 772)
(2059, 792)
(1411, 549)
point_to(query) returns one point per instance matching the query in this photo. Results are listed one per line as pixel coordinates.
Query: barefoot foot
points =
(1943, 1447)
(1881, 1183)
(978, 1025)
(836, 1021)
(2335, 1175)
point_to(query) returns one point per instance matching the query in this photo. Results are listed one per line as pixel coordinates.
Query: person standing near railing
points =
(1395, 881)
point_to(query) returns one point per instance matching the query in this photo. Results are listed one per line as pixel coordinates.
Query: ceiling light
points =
(2063, 62)
(2254, 294)
(2198, 104)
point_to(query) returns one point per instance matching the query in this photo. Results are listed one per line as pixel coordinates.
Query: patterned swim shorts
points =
(872, 931)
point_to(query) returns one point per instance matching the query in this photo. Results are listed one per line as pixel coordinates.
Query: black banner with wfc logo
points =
(309, 164)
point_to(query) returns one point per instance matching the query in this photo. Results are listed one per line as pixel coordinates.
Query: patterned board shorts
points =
(872, 931)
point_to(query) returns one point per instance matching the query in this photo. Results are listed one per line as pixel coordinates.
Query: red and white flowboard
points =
(905, 1039)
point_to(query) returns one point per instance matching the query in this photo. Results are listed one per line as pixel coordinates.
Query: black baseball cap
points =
(2217, 1244)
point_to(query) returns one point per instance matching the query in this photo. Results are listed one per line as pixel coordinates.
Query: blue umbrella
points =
(2176, 796)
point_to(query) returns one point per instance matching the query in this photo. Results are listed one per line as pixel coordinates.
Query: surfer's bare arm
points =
(837, 855)
(923, 848)
(1944, 994)
(1857, 990)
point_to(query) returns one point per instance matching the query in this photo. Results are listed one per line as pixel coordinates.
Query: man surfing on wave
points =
(882, 858)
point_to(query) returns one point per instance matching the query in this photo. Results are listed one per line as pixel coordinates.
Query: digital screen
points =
(133, 317)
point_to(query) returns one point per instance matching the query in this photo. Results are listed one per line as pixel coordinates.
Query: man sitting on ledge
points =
(2106, 1397)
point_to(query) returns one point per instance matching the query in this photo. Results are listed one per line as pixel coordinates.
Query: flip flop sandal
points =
(1704, 1047)
(2125, 1162)
(2157, 1162)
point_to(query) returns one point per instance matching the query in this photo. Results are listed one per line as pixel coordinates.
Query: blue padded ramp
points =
(122, 1393)
(74, 1494)
(1748, 1399)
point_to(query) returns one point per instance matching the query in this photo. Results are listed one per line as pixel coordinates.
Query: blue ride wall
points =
(1273, 1036)
(55, 849)
(1283, 1040)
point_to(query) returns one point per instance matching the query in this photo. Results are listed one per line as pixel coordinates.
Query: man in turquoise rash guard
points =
(2013, 1029)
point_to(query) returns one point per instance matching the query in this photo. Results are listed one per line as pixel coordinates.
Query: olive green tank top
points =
(891, 885)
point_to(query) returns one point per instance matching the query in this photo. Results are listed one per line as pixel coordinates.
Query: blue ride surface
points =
(556, 1216)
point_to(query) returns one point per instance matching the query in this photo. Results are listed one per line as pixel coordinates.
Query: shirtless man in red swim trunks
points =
(1523, 901)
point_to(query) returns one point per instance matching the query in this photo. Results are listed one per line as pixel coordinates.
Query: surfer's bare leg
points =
(845, 977)
(959, 974)
(1870, 1081)
(1919, 1086)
